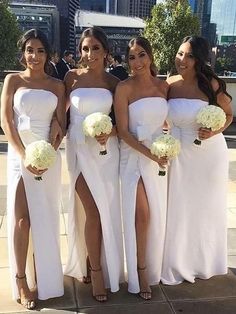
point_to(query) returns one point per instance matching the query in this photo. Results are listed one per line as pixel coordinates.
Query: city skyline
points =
(223, 13)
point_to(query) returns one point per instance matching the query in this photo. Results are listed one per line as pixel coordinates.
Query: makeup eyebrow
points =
(141, 52)
(29, 47)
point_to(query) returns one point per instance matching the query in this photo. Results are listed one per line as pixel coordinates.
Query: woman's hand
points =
(56, 134)
(34, 170)
(162, 162)
(102, 139)
(205, 133)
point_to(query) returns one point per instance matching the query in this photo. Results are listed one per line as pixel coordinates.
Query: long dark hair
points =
(97, 33)
(145, 44)
(35, 34)
(204, 72)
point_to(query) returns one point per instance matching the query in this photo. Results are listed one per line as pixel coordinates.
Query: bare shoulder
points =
(13, 78)
(13, 81)
(173, 79)
(112, 81)
(72, 74)
(162, 85)
(215, 85)
(125, 87)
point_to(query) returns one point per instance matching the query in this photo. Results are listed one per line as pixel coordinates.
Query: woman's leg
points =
(21, 242)
(93, 237)
(142, 218)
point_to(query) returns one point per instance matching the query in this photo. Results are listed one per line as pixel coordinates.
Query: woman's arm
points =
(57, 130)
(7, 120)
(225, 103)
(7, 116)
(121, 104)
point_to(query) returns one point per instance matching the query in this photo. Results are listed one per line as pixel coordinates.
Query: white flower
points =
(165, 145)
(211, 117)
(97, 123)
(40, 154)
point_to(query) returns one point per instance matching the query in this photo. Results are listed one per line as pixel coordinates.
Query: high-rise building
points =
(140, 8)
(105, 6)
(67, 11)
(202, 8)
(223, 13)
(45, 18)
(193, 4)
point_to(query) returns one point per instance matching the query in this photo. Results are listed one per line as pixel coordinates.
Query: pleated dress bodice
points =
(182, 118)
(85, 101)
(33, 111)
(146, 117)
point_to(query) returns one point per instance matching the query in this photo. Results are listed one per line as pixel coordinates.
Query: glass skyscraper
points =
(223, 13)
(106, 6)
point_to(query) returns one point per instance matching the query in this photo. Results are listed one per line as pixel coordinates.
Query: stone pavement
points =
(214, 296)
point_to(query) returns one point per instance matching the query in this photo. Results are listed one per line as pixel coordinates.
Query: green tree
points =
(170, 22)
(9, 35)
(223, 64)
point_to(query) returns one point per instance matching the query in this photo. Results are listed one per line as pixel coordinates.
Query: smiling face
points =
(184, 60)
(35, 55)
(92, 52)
(139, 60)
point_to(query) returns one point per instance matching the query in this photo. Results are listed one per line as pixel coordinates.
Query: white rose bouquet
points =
(41, 155)
(211, 117)
(165, 145)
(96, 124)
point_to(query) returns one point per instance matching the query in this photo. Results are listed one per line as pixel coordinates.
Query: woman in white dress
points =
(141, 109)
(94, 182)
(29, 101)
(195, 245)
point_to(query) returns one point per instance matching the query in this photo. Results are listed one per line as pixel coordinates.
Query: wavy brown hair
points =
(205, 74)
(145, 44)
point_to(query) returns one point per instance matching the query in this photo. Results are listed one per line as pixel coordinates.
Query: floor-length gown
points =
(33, 110)
(146, 118)
(195, 245)
(101, 175)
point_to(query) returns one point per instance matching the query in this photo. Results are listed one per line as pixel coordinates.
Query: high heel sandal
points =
(28, 303)
(87, 278)
(145, 293)
(96, 278)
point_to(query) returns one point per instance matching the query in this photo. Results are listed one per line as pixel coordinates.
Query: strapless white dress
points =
(195, 245)
(146, 118)
(33, 110)
(101, 176)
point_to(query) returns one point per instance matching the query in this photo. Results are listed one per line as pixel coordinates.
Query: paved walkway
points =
(214, 296)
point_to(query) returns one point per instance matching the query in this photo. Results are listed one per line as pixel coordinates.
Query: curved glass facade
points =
(223, 13)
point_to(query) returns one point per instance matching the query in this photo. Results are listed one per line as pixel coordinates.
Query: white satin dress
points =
(146, 118)
(33, 110)
(196, 232)
(101, 175)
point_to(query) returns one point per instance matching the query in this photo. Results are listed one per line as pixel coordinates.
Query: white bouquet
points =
(41, 155)
(165, 145)
(211, 117)
(95, 124)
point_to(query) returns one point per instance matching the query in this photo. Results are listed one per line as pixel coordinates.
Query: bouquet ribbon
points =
(76, 129)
